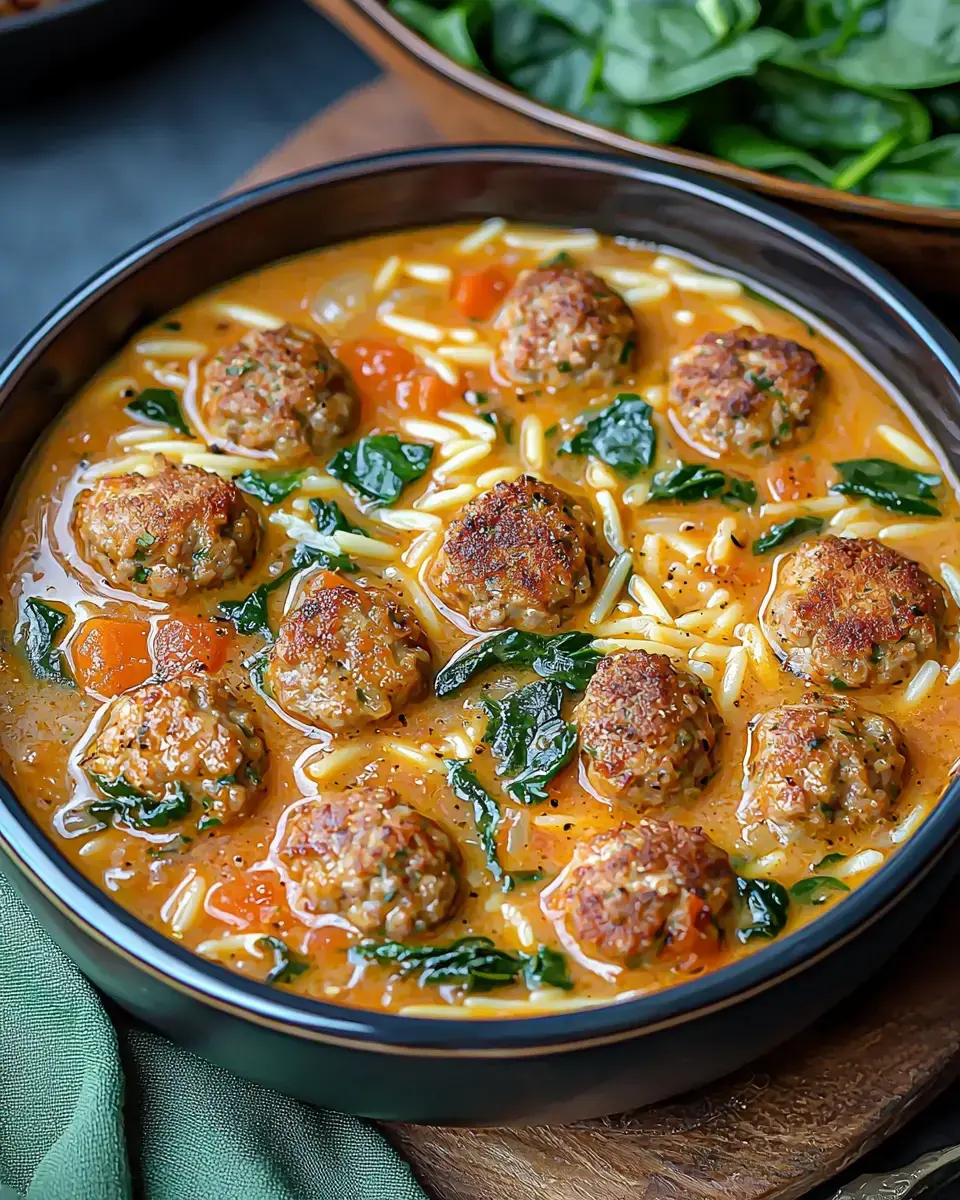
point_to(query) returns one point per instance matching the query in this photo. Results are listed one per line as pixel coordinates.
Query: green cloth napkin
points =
(93, 1111)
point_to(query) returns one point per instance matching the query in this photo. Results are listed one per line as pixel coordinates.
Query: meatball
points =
(647, 889)
(745, 392)
(853, 612)
(366, 856)
(164, 535)
(191, 731)
(520, 555)
(648, 731)
(346, 655)
(564, 325)
(276, 390)
(819, 762)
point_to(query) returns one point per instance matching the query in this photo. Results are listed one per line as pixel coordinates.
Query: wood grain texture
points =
(770, 1132)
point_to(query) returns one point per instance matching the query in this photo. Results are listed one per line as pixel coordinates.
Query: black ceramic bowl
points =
(552, 1068)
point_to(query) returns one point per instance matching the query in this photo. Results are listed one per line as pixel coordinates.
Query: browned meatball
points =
(366, 856)
(191, 731)
(823, 761)
(279, 390)
(521, 555)
(648, 731)
(564, 325)
(347, 655)
(853, 612)
(745, 392)
(167, 534)
(653, 888)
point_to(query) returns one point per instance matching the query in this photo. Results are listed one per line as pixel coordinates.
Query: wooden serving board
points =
(776, 1129)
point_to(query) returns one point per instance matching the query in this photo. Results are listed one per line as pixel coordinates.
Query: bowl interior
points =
(736, 233)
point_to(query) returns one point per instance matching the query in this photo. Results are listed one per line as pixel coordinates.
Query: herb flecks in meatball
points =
(521, 555)
(854, 613)
(191, 731)
(654, 888)
(347, 655)
(164, 535)
(647, 730)
(366, 856)
(820, 763)
(563, 325)
(278, 390)
(745, 392)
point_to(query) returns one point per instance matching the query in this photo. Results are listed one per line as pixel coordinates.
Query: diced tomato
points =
(384, 373)
(329, 937)
(478, 293)
(191, 644)
(248, 899)
(110, 655)
(792, 479)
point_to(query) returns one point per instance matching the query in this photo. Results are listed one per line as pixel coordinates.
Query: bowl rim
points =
(42, 16)
(415, 46)
(101, 917)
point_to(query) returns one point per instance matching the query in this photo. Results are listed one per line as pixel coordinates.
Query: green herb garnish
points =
(286, 965)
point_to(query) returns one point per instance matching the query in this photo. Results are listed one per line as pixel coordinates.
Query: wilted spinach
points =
(286, 965)
(142, 811)
(567, 657)
(888, 484)
(621, 435)
(693, 481)
(529, 738)
(269, 486)
(486, 814)
(474, 962)
(764, 905)
(36, 636)
(380, 466)
(161, 406)
(816, 889)
(788, 531)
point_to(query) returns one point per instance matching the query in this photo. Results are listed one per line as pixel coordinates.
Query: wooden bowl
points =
(920, 245)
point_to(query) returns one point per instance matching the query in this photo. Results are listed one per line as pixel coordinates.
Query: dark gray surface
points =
(107, 160)
(88, 171)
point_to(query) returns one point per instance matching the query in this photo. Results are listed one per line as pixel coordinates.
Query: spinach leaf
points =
(330, 519)
(621, 435)
(693, 481)
(564, 81)
(927, 174)
(658, 51)
(142, 811)
(35, 638)
(755, 150)
(788, 531)
(529, 738)
(889, 485)
(380, 466)
(486, 814)
(161, 406)
(567, 657)
(829, 860)
(471, 961)
(250, 614)
(816, 889)
(764, 905)
(450, 30)
(269, 486)
(286, 965)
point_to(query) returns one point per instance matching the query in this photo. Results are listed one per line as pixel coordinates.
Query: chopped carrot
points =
(190, 644)
(110, 655)
(478, 293)
(792, 479)
(385, 373)
(252, 899)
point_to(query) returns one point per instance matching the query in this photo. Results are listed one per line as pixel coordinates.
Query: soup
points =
(481, 621)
